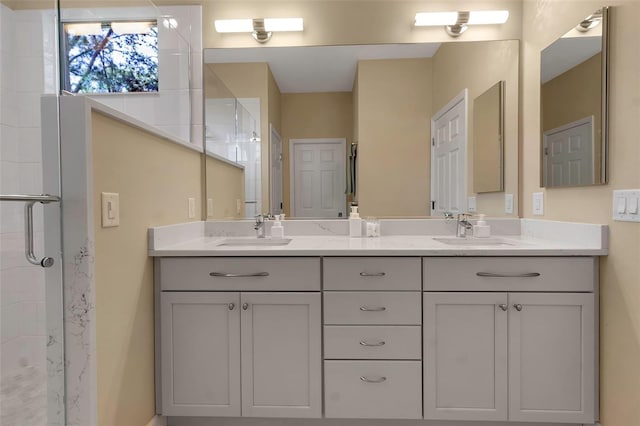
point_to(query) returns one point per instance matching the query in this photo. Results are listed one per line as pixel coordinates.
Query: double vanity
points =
(405, 326)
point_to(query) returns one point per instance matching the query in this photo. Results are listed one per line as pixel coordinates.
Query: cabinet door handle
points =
(518, 307)
(494, 275)
(372, 274)
(378, 343)
(370, 380)
(503, 306)
(372, 308)
(225, 275)
(245, 306)
(232, 306)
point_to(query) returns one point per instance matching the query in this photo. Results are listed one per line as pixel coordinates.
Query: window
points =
(110, 57)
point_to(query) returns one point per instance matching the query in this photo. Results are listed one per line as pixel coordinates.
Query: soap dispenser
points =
(355, 223)
(481, 229)
(277, 230)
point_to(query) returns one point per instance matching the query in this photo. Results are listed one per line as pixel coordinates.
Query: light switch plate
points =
(110, 209)
(508, 203)
(471, 204)
(192, 208)
(626, 205)
(538, 203)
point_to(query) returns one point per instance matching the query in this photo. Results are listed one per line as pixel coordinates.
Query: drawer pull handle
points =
(378, 343)
(494, 275)
(518, 307)
(232, 306)
(503, 306)
(369, 380)
(372, 274)
(372, 309)
(225, 275)
(245, 306)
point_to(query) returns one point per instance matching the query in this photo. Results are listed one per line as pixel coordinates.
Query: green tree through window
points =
(112, 63)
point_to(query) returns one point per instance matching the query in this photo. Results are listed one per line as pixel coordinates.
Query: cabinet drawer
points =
(372, 273)
(372, 342)
(567, 274)
(373, 389)
(372, 307)
(240, 274)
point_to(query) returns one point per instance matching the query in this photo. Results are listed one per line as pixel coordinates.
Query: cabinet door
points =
(200, 341)
(281, 355)
(551, 357)
(465, 356)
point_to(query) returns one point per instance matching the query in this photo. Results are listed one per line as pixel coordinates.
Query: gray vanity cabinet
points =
(510, 355)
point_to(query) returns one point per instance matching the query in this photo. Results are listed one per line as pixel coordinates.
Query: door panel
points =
(551, 357)
(200, 347)
(569, 154)
(465, 356)
(281, 355)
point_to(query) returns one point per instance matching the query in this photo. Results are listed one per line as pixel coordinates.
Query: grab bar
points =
(30, 200)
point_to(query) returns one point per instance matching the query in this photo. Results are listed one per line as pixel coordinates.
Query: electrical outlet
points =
(110, 209)
(508, 203)
(471, 204)
(192, 208)
(209, 207)
(538, 203)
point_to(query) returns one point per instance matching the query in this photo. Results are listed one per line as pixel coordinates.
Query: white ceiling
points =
(565, 53)
(318, 68)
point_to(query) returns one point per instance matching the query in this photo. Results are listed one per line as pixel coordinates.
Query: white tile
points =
(114, 101)
(30, 178)
(9, 177)
(31, 74)
(8, 111)
(197, 135)
(173, 70)
(12, 251)
(11, 218)
(13, 357)
(12, 322)
(197, 107)
(35, 350)
(142, 107)
(30, 145)
(173, 108)
(196, 70)
(28, 109)
(8, 143)
(29, 319)
(33, 283)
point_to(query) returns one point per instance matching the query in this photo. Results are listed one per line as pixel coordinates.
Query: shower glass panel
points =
(31, 315)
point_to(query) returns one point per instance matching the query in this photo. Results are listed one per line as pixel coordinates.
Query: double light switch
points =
(626, 205)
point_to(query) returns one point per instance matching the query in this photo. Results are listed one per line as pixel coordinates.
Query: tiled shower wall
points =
(27, 70)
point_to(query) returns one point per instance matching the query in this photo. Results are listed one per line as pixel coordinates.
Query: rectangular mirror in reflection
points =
(488, 130)
(573, 104)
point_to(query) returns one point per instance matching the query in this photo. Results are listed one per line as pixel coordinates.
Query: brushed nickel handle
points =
(378, 343)
(494, 275)
(245, 306)
(226, 275)
(372, 274)
(369, 380)
(232, 306)
(372, 309)
(503, 306)
(518, 307)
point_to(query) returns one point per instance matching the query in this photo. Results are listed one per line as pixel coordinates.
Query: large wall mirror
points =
(327, 125)
(573, 98)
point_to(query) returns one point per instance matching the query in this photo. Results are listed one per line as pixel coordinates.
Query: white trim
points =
(292, 143)
(462, 96)
(157, 421)
(272, 131)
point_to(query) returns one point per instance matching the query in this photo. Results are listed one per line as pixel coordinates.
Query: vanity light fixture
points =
(131, 27)
(260, 28)
(83, 28)
(455, 23)
(590, 22)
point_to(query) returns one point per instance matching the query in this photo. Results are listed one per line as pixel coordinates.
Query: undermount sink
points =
(255, 242)
(456, 241)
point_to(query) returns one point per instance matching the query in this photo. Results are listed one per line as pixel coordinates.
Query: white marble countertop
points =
(396, 245)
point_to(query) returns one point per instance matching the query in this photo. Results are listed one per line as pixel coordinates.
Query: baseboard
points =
(157, 421)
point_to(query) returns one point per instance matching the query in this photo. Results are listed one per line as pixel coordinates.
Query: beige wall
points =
(154, 178)
(353, 22)
(574, 95)
(225, 186)
(313, 115)
(619, 289)
(394, 107)
(477, 67)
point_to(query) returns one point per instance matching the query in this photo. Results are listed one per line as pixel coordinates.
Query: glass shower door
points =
(31, 325)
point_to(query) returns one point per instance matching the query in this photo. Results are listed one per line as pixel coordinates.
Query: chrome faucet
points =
(259, 226)
(463, 225)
